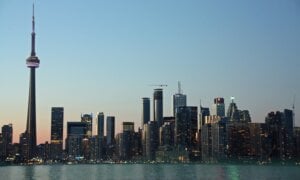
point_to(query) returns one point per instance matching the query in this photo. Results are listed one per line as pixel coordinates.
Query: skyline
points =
(140, 41)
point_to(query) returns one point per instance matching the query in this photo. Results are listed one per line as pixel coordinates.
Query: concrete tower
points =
(32, 63)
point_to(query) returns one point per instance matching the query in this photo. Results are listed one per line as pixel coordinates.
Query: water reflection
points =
(232, 172)
(148, 171)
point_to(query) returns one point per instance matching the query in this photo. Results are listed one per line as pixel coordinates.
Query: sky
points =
(102, 56)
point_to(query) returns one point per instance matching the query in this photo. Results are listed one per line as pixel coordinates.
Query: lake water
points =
(149, 171)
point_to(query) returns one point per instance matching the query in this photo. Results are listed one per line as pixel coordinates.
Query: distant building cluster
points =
(199, 134)
(191, 134)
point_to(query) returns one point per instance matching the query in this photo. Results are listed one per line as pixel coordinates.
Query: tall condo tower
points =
(146, 111)
(218, 108)
(32, 63)
(158, 106)
(57, 124)
(179, 99)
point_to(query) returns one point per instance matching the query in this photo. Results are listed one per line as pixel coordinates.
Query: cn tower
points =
(32, 63)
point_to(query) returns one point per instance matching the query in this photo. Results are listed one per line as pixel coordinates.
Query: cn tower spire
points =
(33, 33)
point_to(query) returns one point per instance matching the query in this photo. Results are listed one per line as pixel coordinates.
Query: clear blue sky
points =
(101, 56)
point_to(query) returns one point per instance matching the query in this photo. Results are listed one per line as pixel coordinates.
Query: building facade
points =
(57, 123)
(158, 106)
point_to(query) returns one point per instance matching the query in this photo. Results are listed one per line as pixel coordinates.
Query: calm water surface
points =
(149, 171)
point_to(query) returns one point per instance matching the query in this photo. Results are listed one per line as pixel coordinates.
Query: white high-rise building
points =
(218, 108)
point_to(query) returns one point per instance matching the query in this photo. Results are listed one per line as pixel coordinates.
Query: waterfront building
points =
(23, 141)
(150, 140)
(7, 137)
(100, 133)
(43, 151)
(76, 132)
(238, 140)
(110, 136)
(57, 123)
(297, 143)
(127, 141)
(186, 130)
(280, 130)
(213, 140)
(110, 129)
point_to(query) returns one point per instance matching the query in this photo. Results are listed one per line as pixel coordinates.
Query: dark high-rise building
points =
(32, 63)
(145, 111)
(166, 134)
(100, 121)
(57, 123)
(233, 113)
(245, 116)
(76, 133)
(280, 130)
(7, 136)
(126, 141)
(100, 130)
(186, 123)
(88, 119)
(110, 136)
(238, 140)
(110, 130)
(158, 106)
(24, 146)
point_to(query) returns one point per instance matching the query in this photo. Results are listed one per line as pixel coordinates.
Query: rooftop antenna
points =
(232, 99)
(293, 107)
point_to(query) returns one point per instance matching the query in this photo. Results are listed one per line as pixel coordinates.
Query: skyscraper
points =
(179, 100)
(233, 112)
(32, 63)
(76, 133)
(7, 136)
(145, 111)
(158, 106)
(218, 108)
(100, 121)
(110, 130)
(126, 143)
(150, 140)
(57, 123)
(100, 133)
(88, 119)
(186, 127)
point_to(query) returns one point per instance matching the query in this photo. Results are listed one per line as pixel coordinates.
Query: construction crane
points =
(159, 85)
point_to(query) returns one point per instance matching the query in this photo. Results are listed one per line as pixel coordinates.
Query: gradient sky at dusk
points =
(101, 56)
